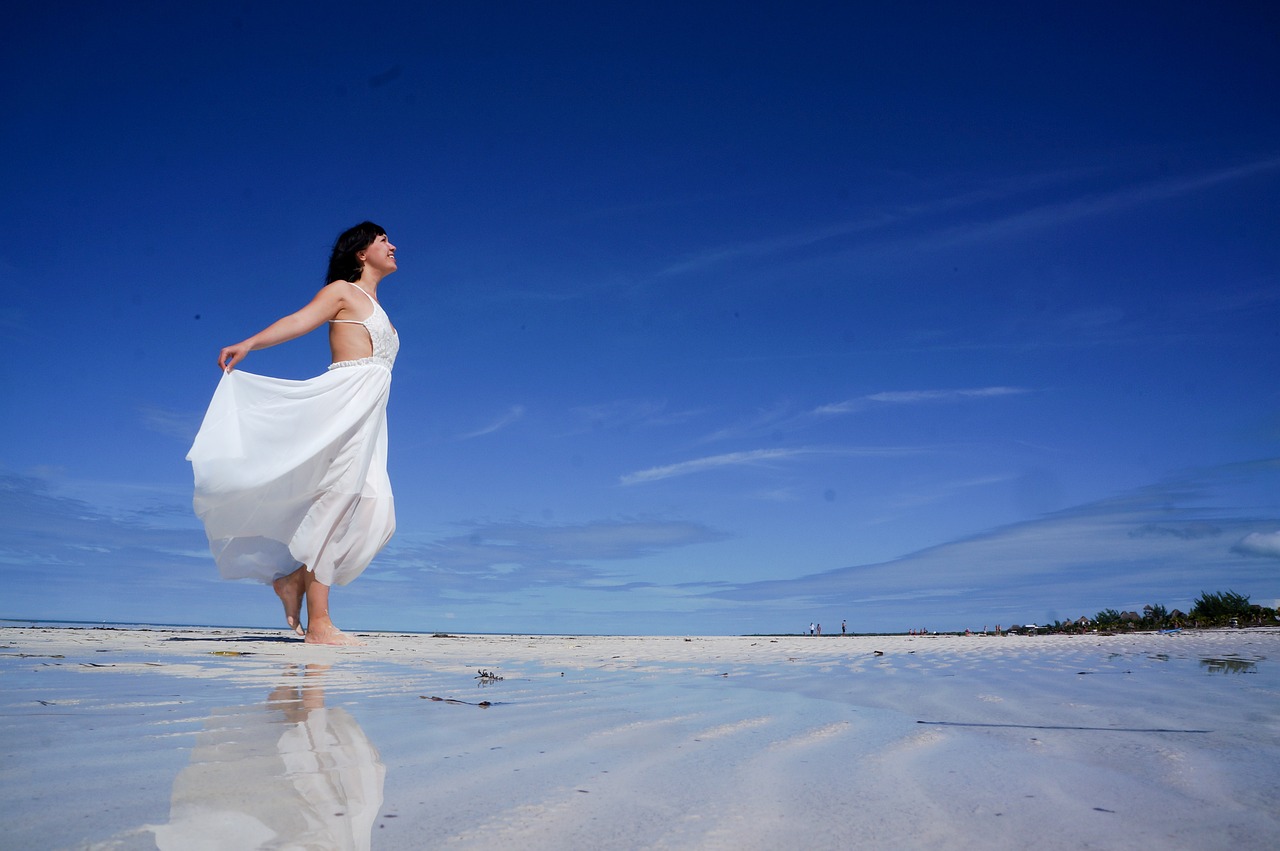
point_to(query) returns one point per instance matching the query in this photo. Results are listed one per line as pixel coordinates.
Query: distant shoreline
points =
(21, 623)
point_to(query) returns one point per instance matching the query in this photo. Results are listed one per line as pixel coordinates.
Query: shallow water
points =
(252, 740)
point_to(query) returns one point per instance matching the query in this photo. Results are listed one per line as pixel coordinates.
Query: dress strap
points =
(366, 294)
(366, 319)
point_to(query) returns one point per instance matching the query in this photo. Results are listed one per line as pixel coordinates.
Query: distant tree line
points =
(1220, 609)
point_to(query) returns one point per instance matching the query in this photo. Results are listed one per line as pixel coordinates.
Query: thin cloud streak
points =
(765, 247)
(916, 397)
(490, 558)
(513, 415)
(182, 425)
(763, 422)
(781, 419)
(1034, 217)
(712, 462)
(627, 414)
(803, 239)
(754, 457)
(1054, 215)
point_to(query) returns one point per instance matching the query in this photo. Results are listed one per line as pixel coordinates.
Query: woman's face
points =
(380, 256)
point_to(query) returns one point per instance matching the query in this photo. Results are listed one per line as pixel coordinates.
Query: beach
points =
(175, 737)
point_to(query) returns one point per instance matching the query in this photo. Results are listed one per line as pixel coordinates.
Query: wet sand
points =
(204, 738)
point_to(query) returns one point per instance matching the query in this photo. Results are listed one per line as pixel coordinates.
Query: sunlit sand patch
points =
(641, 727)
(730, 729)
(922, 739)
(142, 704)
(514, 827)
(821, 734)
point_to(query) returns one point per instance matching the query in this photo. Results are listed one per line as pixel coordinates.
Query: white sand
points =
(194, 739)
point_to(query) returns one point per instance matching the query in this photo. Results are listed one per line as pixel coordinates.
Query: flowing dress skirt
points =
(259, 780)
(295, 472)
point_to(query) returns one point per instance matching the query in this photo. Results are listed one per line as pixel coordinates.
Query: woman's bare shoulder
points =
(334, 291)
(341, 300)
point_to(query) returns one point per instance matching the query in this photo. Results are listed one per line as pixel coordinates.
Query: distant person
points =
(291, 476)
(811, 632)
(843, 631)
(819, 629)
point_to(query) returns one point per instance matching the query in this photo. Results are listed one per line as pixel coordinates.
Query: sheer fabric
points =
(295, 472)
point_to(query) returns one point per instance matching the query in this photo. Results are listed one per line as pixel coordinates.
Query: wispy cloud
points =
(514, 414)
(625, 414)
(784, 418)
(764, 247)
(514, 556)
(59, 553)
(941, 491)
(930, 233)
(182, 425)
(755, 458)
(1164, 543)
(1266, 544)
(992, 190)
(711, 462)
(762, 422)
(915, 397)
(1099, 204)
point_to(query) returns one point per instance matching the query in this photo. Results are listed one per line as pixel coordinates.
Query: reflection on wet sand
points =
(1229, 665)
(290, 773)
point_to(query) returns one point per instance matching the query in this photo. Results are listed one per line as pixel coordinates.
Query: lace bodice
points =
(386, 342)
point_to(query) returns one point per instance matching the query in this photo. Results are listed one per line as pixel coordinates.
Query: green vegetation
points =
(1107, 618)
(1221, 609)
(1210, 611)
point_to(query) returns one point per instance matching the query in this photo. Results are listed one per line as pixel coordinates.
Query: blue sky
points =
(716, 318)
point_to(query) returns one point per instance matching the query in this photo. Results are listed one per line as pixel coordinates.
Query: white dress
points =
(291, 472)
(277, 779)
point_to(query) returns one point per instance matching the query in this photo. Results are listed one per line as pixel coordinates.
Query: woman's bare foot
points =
(320, 628)
(322, 631)
(290, 590)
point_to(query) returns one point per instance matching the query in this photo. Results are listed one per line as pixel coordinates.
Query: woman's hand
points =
(232, 355)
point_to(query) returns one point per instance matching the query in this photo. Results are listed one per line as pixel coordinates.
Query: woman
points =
(291, 476)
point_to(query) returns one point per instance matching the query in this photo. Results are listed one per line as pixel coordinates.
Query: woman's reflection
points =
(292, 773)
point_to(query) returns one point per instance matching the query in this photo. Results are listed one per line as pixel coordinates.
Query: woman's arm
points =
(322, 308)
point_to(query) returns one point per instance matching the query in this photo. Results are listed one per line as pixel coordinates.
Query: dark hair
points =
(343, 263)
